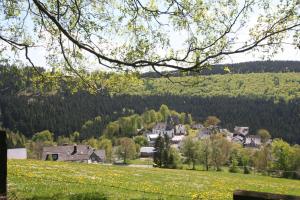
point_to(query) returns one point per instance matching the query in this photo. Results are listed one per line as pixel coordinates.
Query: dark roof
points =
(160, 126)
(100, 153)
(241, 130)
(73, 152)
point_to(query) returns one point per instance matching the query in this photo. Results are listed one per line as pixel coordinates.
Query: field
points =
(30, 179)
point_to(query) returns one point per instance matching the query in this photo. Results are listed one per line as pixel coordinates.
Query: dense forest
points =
(264, 100)
(241, 68)
(66, 114)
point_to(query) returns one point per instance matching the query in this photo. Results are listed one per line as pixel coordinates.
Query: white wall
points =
(20, 153)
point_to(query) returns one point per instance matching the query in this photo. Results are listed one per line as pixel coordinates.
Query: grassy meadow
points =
(30, 179)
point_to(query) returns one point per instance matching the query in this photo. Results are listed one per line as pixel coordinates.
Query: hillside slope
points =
(266, 100)
(255, 85)
(47, 180)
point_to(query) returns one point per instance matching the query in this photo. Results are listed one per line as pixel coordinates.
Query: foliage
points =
(211, 121)
(275, 66)
(281, 153)
(126, 149)
(106, 144)
(257, 103)
(43, 136)
(130, 126)
(164, 155)
(93, 142)
(220, 150)
(191, 151)
(15, 140)
(132, 35)
(233, 167)
(91, 128)
(264, 135)
(62, 140)
(141, 140)
(205, 156)
(262, 159)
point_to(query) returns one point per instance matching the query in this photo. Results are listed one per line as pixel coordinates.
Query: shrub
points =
(246, 170)
(88, 196)
(233, 167)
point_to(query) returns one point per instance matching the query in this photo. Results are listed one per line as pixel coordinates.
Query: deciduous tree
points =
(126, 149)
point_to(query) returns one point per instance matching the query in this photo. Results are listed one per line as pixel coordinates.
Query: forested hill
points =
(284, 86)
(242, 68)
(257, 100)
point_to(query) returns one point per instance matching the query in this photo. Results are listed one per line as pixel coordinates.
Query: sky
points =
(289, 53)
(38, 55)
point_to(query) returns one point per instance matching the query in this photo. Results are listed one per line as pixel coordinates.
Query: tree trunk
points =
(3, 165)
(206, 162)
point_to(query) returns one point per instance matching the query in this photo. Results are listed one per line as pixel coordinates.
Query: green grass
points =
(142, 161)
(29, 179)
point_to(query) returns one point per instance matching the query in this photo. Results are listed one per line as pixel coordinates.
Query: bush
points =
(246, 170)
(291, 175)
(88, 196)
(233, 167)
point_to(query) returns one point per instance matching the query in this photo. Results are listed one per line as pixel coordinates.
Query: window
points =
(54, 157)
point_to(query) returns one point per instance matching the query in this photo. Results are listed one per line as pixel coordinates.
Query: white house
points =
(252, 141)
(177, 139)
(238, 130)
(147, 151)
(152, 138)
(19, 153)
(180, 129)
(163, 129)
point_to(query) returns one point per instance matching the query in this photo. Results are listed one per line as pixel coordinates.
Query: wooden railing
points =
(251, 195)
(3, 166)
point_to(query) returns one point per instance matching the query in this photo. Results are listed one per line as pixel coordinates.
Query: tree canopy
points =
(134, 34)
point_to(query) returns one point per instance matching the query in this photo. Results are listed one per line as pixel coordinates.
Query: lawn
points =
(29, 179)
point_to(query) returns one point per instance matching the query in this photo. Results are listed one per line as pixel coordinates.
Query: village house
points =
(242, 131)
(197, 126)
(239, 134)
(163, 128)
(152, 138)
(146, 152)
(252, 141)
(180, 130)
(227, 134)
(18, 153)
(203, 133)
(172, 128)
(177, 139)
(206, 132)
(73, 153)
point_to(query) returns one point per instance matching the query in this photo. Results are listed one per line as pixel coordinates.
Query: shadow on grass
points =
(83, 196)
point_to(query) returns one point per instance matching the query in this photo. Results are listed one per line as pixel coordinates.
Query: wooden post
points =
(251, 195)
(3, 165)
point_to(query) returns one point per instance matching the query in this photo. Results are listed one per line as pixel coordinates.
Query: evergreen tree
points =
(159, 147)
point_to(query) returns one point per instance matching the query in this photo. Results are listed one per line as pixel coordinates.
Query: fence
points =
(250, 195)
(3, 165)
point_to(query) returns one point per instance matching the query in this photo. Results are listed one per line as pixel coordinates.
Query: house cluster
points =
(68, 153)
(240, 135)
(73, 153)
(172, 128)
(176, 132)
